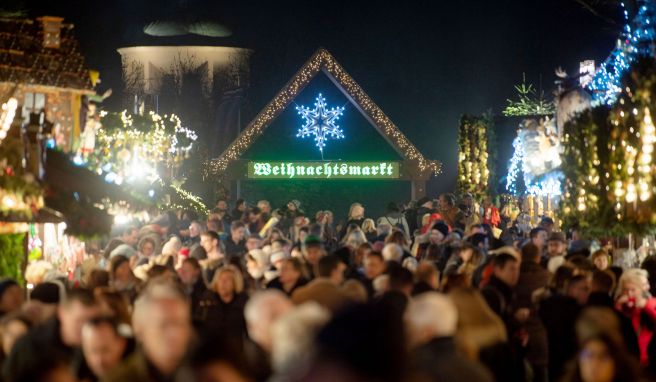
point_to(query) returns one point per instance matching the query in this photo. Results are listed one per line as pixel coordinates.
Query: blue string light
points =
(637, 39)
(516, 161)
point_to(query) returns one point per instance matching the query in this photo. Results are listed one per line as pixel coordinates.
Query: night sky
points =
(424, 62)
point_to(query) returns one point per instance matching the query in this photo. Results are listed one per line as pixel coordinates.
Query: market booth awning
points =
(83, 197)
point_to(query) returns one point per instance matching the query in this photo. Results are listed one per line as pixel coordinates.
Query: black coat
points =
(137, 368)
(439, 360)
(600, 299)
(218, 317)
(558, 314)
(276, 284)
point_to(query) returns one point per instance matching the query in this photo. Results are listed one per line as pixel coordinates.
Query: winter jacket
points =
(439, 360)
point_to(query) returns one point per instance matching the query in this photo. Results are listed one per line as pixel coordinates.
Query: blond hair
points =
(478, 325)
(356, 207)
(368, 226)
(636, 276)
(237, 278)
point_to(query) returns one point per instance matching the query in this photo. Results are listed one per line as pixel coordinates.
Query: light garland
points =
(473, 164)
(637, 39)
(195, 201)
(516, 161)
(131, 154)
(7, 117)
(322, 60)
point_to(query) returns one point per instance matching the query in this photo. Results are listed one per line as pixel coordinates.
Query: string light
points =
(515, 162)
(323, 61)
(7, 116)
(636, 39)
(648, 137)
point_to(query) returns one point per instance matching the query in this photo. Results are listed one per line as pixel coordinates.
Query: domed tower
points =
(184, 67)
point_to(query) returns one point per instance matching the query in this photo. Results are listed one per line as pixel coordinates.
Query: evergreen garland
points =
(608, 161)
(475, 139)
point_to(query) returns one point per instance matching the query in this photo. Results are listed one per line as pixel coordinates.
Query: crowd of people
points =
(438, 290)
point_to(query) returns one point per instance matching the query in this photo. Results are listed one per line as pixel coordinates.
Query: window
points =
(33, 103)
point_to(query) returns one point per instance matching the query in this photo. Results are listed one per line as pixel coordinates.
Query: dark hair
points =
(502, 259)
(237, 224)
(97, 278)
(626, 367)
(327, 264)
(530, 252)
(433, 252)
(198, 252)
(535, 232)
(450, 198)
(83, 296)
(396, 236)
(575, 279)
(156, 271)
(117, 302)
(477, 239)
(193, 262)
(297, 264)
(560, 278)
(399, 278)
(582, 263)
(212, 235)
(392, 207)
(110, 321)
(255, 210)
(239, 202)
(115, 262)
(603, 281)
(376, 254)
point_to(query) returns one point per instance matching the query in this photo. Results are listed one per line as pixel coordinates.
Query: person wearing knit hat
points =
(442, 227)
(11, 296)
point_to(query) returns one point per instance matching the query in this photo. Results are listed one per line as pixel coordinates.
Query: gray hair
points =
(433, 312)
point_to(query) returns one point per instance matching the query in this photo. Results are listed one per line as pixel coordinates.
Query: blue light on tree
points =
(320, 122)
(637, 39)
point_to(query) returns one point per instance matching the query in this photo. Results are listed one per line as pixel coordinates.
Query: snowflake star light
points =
(320, 122)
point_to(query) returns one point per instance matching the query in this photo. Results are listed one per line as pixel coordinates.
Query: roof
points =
(322, 61)
(24, 59)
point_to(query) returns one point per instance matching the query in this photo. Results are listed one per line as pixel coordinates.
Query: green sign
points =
(323, 170)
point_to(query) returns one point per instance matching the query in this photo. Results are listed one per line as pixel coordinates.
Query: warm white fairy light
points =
(322, 60)
(7, 116)
(648, 137)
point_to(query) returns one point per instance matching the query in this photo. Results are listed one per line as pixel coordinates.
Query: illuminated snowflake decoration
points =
(320, 122)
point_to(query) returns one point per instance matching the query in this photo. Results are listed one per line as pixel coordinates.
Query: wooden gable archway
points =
(417, 168)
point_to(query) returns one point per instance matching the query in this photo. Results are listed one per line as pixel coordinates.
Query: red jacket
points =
(644, 334)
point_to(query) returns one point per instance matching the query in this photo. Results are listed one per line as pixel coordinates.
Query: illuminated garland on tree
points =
(516, 166)
(608, 160)
(144, 152)
(473, 157)
(637, 39)
(322, 61)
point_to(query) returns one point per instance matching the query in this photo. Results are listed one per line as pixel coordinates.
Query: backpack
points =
(398, 224)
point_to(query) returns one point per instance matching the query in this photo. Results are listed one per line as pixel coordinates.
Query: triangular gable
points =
(323, 61)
